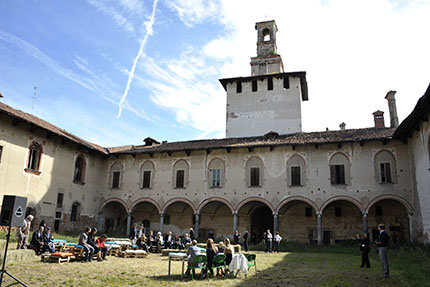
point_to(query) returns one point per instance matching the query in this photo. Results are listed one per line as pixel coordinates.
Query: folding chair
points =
(251, 261)
(219, 262)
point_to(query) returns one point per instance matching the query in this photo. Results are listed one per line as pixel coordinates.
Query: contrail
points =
(148, 25)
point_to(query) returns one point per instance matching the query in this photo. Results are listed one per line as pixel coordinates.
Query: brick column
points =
(196, 231)
(161, 222)
(128, 223)
(319, 228)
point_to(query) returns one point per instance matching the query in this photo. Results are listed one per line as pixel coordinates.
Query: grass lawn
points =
(303, 267)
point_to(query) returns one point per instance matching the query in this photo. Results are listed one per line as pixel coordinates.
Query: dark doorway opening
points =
(326, 237)
(261, 220)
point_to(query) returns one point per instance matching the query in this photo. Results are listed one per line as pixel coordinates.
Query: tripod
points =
(3, 270)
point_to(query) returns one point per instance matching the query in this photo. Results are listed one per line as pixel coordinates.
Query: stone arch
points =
(212, 199)
(113, 199)
(384, 150)
(147, 161)
(298, 155)
(254, 198)
(397, 198)
(145, 199)
(339, 153)
(297, 198)
(178, 199)
(344, 198)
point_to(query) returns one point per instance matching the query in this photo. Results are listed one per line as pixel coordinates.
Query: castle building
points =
(266, 174)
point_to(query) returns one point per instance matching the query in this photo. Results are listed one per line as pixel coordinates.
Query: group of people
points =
(382, 243)
(42, 239)
(272, 243)
(225, 248)
(93, 246)
(154, 243)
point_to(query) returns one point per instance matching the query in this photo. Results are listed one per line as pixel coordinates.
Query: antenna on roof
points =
(34, 99)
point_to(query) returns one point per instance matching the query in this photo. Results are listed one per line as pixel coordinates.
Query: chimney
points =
(394, 121)
(342, 126)
(378, 116)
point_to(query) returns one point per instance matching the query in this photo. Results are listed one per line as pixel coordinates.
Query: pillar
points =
(128, 224)
(99, 221)
(365, 222)
(319, 228)
(196, 231)
(412, 233)
(275, 223)
(234, 222)
(161, 222)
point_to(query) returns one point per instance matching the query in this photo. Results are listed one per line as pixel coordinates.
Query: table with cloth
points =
(239, 263)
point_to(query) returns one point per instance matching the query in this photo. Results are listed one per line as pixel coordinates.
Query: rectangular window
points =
(286, 82)
(238, 87)
(166, 219)
(255, 176)
(337, 174)
(386, 173)
(58, 215)
(378, 210)
(60, 197)
(338, 212)
(254, 85)
(269, 84)
(146, 179)
(216, 177)
(115, 179)
(295, 175)
(308, 211)
(180, 176)
(1, 151)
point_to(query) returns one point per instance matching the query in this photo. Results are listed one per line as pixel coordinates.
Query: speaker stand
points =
(3, 270)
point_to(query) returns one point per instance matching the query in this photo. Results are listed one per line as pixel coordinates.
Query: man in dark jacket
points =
(365, 249)
(37, 240)
(382, 243)
(245, 240)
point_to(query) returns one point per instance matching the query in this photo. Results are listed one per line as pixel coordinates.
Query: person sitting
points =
(177, 244)
(47, 240)
(88, 249)
(37, 241)
(228, 251)
(92, 241)
(170, 239)
(220, 250)
(102, 245)
(211, 250)
(186, 240)
(192, 251)
(150, 240)
(141, 242)
(159, 241)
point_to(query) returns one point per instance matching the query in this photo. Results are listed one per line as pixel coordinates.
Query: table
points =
(178, 256)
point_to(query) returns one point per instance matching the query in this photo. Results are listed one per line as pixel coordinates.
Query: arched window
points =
(266, 35)
(116, 175)
(180, 174)
(80, 165)
(254, 172)
(34, 156)
(385, 166)
(296, 171)
(216, 173)
(147, 174)
(76, 210)
(340, 169)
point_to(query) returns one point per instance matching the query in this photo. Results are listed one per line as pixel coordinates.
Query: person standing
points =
(141, 231)
(245, 240)
(268, 241)
(365, 249)
(277, 242)
(191, 233)
(23, 232)
(382, 243)
(236, 237)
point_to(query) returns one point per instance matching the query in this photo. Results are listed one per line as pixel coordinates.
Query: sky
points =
(117, 71)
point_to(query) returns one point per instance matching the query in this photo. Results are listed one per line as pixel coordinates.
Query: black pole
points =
(3, 270)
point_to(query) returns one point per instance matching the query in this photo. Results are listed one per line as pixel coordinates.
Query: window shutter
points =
(146, 179)
(333, 174)
(388, 172)
(180, 178)
(341, 175)
(295, 175)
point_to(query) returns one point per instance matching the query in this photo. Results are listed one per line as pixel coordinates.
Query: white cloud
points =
(119, 19)
(195, 11)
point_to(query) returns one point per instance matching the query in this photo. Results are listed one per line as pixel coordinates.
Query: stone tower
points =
(269, 100)
(267, 61)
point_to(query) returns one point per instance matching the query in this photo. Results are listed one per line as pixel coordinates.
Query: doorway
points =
(261, 220)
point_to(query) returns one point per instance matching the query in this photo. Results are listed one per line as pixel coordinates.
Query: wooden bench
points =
(57, 257)
(133, 254)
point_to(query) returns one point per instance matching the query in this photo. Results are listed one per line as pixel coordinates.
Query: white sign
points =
(18, 211)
